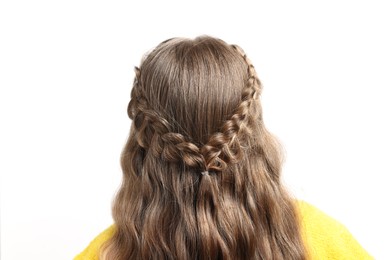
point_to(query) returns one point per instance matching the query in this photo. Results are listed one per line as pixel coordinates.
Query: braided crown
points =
(222, 148)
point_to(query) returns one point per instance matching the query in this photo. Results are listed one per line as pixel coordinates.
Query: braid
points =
(173, 147)
(222, 148)
(169, 146)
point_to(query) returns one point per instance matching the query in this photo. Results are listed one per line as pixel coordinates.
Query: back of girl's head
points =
(194, 84)
(201, 174)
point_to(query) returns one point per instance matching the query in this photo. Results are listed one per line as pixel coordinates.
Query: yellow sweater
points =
(325, 238)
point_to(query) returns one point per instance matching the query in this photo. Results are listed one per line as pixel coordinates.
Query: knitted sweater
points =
(325, 238)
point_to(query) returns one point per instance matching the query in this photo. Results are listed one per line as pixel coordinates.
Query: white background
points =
(66, 75)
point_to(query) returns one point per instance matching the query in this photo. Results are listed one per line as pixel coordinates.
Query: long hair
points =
(201, 173)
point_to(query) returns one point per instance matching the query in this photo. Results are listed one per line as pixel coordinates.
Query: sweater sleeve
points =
(328, 239)
(91, 252)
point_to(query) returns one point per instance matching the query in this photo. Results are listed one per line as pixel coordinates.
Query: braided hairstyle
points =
(201, 174)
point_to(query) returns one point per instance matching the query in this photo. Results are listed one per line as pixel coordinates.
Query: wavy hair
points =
(201, 173)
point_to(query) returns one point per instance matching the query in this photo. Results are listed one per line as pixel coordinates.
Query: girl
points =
(201, 173)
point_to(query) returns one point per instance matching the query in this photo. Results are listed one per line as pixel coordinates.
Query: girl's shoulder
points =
(91, 252)
(327, 238)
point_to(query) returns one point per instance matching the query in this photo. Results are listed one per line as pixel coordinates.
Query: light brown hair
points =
(201, 173)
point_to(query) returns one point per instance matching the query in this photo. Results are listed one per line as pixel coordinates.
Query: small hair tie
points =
(205, 172)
